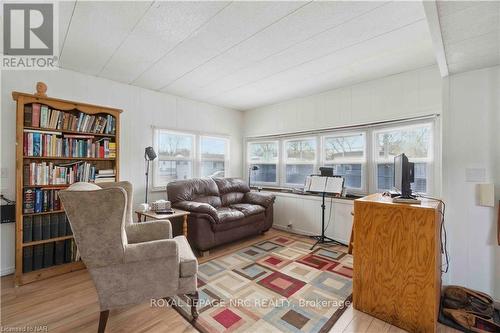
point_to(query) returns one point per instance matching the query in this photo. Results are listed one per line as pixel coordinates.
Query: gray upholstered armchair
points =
(130, 263)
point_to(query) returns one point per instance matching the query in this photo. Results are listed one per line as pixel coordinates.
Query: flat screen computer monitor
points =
(403, 175)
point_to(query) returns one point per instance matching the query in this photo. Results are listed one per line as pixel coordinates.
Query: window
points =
(184, 155)
(300, 160)
(263, 156)
(214, 155)
(363, 156)
(345, 153)
(175, 156)
(416, 142)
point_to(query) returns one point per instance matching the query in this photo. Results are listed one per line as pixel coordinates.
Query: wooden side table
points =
(142, 216)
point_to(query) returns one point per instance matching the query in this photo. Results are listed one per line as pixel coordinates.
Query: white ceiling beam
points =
(431, 12)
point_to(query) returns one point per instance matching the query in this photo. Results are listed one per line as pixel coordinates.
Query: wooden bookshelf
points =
(74, 109)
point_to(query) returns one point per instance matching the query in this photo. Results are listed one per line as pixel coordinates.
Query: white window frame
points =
(429, 160)
(226, 158)
(277, 163)
(285, 161)
(195, 157)
(192, 157)
(361, 160)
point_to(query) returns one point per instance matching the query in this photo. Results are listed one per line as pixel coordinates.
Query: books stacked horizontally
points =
(50, 174)
(56, 144)
(40, 200)
(38, 115)
(105, 176)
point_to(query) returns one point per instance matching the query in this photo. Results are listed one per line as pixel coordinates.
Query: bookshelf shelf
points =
(68, 131)
(44, 213)
(45, 273)
(50, 240)
(68, 158)
(42, 114)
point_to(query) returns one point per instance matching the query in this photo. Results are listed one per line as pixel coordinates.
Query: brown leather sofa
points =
(222, 210)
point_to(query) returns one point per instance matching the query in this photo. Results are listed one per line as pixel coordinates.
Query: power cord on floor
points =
(442, 234)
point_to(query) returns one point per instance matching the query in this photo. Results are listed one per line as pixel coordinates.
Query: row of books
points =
(39, 115)
(50, 144)
(49, 254)
(50, 174)
(42, 227)
(40, 200)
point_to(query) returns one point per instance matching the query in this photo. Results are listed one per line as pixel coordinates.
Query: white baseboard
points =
(7, 271)
(303, 232)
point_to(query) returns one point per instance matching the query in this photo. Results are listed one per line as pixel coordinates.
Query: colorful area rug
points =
(276, 285)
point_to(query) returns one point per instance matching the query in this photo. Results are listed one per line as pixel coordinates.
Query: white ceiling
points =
(243, 54)
(471, 34)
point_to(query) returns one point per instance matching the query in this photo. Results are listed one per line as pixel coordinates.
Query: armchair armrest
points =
(257, 198)
(151, 250)
(148, 231)
(198, 207)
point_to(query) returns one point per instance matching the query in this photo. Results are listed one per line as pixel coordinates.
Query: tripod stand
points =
(322, 239)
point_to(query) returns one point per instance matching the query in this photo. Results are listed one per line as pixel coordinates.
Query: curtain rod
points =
(346, 127)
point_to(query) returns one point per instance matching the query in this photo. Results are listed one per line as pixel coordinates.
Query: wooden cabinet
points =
(397, 261)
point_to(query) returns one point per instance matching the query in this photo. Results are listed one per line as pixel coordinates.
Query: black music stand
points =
(324, 184)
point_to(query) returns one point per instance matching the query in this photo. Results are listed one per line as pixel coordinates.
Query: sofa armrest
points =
(151, 250)
(198, 207)
(257, 198)
(148, 231)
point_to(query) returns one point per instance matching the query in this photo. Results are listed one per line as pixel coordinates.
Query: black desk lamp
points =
(149, 155)
(250, 169)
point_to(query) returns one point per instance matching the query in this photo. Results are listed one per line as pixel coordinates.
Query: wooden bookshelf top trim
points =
(55, 102)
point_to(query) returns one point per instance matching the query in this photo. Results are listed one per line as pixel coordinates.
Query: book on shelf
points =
(45, 227)
(37, 228)
(48, 173)
(27, 229)
(37, 257)
(28, 200)
(27, 259)
(48, 254)
(56, 144)
(39, 115)
(45, 200)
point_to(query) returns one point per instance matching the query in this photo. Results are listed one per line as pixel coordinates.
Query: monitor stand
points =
(406, 200)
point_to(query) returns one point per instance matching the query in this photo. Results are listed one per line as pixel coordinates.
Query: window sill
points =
(350, 197)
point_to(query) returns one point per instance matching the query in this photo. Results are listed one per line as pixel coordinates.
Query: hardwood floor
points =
(68, 303)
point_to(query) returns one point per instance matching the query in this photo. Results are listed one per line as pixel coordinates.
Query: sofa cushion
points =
(227, 214)
(188, 263)
(252, 222)
(231, 198)
(203, 190)
(248, 209)
(227, 185)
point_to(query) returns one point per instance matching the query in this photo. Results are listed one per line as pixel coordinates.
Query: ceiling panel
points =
(380, 21)
(165, 25)
(471, 34)
(395, 51)
(234, 24)
(95, 32)
(247, 54)
(303, 24)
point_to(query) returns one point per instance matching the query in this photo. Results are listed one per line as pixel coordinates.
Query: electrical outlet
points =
(290, 226)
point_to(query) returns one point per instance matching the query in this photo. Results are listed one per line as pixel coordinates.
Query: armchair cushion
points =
(148, 231)
(198, 207)
(248, 209)
(188, 262)
(151, 250)
(257, 198)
